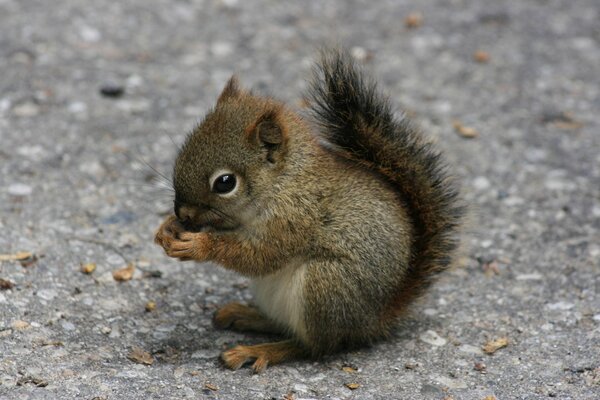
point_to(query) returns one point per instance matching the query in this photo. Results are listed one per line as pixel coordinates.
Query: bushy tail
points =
(358, 121)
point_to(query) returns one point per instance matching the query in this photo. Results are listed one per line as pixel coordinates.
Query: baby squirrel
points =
(340, 226)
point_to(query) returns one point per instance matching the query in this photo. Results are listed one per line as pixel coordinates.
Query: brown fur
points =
(361, 215)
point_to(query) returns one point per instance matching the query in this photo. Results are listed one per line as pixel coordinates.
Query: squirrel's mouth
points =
(211, 225)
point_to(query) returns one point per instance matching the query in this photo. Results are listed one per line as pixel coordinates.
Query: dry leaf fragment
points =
(464, 131)
(88, 268)
(39, 382)
(413, 20)
(19, 256)
(210, 386)
(349, 369)
(150, 306)
(20, 325)
(494, 345)
(124, 274)
(6, 284)
(140, 356)
(289, 396)
(352, 386)
(491, 269)
(562, 120)
(481, 56)
(490, 397)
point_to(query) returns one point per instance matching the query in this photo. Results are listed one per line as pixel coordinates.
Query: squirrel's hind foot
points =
(262, 354)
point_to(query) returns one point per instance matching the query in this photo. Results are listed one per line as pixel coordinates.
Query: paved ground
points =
(74, 189)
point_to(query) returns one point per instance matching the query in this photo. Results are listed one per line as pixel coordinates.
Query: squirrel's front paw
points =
(178, 243)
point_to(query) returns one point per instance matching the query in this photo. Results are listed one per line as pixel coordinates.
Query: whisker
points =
(159, 175)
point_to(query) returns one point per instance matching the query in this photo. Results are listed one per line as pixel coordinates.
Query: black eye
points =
(224, 184)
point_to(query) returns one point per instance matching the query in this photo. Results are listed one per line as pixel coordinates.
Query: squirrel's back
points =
(358, 123)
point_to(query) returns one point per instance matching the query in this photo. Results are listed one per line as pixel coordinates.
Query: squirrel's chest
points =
(280, 296)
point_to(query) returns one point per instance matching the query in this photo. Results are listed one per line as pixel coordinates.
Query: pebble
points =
(90, 34)
(561, 306)
(112, 90)
(481, 183)
(300, 388)
(432, 338)
(4, 104)
(27, 109)
(470, 349)
(47, 294)
(529, 277)
(450, 383)
(8, 381)
(359, 53)
(205, 354)
(77, 107)
(32, 152)
(221, 49)
(20, 189)
(67, 326)
(134, 81)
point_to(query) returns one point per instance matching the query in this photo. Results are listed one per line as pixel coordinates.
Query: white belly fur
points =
(280, 296)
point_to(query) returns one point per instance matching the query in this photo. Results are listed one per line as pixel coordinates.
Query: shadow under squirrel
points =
(340, 226)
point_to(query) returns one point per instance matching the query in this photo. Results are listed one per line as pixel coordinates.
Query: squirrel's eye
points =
(224, 184)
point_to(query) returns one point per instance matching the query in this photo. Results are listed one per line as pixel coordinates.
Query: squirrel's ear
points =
(270, 133)
(231, 89)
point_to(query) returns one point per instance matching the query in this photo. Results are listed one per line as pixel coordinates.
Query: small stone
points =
(481, 183)
(134, 81)
(77, 107)
(479, 366)
(560, 306)
(26, 109)
(89, 34)
(529, 277)
(360, 53)
(47, 294)
(469, 349)
(112, 90)
(300, 388)
(19, 189)
(221, 49)
(67, 326)
(105, 330)
(205, 354)
(432, 338)
(450, 383)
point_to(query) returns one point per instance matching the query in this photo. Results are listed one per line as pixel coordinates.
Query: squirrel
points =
(340, 224)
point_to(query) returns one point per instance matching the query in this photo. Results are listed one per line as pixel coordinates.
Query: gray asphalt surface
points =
(75, 189)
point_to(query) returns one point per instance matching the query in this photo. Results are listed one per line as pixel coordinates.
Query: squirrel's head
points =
(230, 160)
